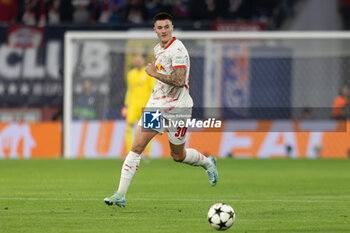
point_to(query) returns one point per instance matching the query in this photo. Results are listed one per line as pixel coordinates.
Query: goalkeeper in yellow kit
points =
(139, 89)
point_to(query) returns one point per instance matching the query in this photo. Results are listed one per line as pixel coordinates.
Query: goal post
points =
(231, 70)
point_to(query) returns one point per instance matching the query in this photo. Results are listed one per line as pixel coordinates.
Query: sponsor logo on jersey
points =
(160, 67)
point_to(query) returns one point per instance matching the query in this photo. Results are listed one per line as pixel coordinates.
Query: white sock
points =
(194, 158)
(130, 166)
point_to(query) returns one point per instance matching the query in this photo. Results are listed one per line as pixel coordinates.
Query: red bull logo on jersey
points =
(160, 67)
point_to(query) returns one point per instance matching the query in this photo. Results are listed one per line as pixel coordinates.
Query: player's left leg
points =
(193, 157)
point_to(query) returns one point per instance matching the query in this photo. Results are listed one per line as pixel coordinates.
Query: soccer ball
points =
(221, 216)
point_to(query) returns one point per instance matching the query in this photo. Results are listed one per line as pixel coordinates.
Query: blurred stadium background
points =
(265, 89)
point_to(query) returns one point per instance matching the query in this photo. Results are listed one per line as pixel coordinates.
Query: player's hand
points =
(124, 111)
(151, 69)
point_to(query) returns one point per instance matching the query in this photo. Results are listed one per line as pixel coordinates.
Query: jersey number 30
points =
(181, 131)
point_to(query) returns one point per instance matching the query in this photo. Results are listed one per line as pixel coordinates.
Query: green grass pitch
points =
(278, 195)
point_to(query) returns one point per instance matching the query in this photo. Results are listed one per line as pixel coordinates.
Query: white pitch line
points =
(164, 199)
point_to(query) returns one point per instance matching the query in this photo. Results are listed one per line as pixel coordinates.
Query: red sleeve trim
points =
(181, 66)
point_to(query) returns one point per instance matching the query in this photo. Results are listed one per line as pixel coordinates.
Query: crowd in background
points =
(51, 12)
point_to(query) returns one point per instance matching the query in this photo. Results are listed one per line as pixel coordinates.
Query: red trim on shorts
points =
(169, 109)
(174, 38)
(181, 66)
(186, 86)
(174, 94)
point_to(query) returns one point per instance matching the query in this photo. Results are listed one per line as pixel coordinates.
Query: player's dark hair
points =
(162, 16)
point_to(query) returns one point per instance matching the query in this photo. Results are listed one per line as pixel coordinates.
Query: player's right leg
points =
(131, 163)
(116, 199)
(134, 114)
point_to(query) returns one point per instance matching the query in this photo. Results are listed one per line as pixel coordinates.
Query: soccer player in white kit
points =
(171, 93)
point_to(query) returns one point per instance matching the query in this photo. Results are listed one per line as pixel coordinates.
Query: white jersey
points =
(167, 59)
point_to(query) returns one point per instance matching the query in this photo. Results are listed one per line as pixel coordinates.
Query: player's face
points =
(139, 61)
(164, 29)
(87, 86)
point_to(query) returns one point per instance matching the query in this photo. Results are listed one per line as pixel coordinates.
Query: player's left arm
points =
(177, 78)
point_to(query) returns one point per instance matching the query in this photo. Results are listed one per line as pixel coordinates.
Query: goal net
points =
(234, 75)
